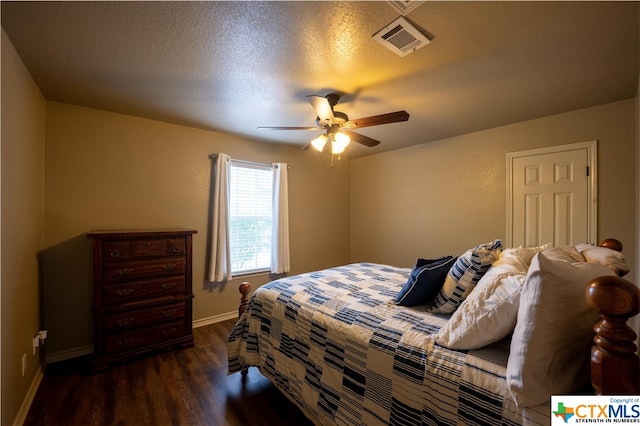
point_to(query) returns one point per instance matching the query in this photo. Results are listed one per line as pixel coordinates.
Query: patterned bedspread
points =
(336, 344)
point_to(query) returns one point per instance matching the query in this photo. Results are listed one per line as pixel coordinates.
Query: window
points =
(250, 216)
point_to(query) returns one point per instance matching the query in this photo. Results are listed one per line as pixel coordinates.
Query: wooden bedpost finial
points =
(612, 244)
(244, 289)
(616, 300)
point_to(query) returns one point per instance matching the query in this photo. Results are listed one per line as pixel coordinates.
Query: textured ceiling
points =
(234, 66)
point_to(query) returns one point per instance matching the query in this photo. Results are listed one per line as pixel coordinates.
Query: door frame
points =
(592, 184)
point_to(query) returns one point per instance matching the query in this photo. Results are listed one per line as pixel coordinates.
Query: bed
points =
(450, 341)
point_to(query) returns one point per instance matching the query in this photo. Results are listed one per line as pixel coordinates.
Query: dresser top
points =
(132, 233)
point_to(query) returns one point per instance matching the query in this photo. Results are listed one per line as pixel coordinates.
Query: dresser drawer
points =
(132, 270)
(177, 247)
(116, 250)
(143, 291)
(148, 248)
(134, 319)
(145, 336)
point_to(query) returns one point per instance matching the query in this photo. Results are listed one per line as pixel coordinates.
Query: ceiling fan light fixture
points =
(331, 122)
(340, 143)
(319, 142)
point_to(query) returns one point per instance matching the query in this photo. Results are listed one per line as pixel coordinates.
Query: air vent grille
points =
(404, 6)
(401, 37)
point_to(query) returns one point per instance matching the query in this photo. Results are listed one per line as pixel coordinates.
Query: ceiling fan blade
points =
(374, 120)
(322, 107)
(288, 128)
(362, 139)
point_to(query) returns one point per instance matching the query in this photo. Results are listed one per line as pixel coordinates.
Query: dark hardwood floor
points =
(181, 387)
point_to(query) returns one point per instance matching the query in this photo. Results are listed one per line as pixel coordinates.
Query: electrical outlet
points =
(36, 344)
(24, 364)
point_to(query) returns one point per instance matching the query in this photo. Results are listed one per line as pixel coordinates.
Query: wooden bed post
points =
(611, 243)
(244, 289)
(614, 363)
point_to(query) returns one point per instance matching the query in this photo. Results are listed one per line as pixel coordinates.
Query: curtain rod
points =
(213, 157)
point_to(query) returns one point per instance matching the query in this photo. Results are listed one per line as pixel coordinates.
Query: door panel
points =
(550, 198)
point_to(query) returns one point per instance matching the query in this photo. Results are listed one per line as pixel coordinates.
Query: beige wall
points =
(105, 170)
(111, 171)
(446, 196)
(22, 154)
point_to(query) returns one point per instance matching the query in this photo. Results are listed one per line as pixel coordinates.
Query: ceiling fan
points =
(338, 128)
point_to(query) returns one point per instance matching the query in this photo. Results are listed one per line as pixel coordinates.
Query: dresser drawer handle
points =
(169, 266)
(114, 253)
(124, 322)
(169, 313)
(168, 286)
(176, 249)
(126, 341)
(124, 292)
(125, 271)
(169, 331)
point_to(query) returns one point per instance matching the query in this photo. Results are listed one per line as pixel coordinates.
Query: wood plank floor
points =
(182, 387)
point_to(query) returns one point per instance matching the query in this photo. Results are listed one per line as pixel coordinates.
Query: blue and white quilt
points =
(336, 344)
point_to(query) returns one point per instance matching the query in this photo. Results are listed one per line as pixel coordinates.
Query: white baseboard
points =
(70, 353)
(28, 399)
(214, 319)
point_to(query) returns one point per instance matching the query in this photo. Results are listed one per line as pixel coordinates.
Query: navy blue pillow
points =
(425, 281)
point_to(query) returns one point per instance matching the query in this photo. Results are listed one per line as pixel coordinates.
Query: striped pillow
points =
(464, 275)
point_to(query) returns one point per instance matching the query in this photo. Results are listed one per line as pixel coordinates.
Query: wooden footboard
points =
(614, 363)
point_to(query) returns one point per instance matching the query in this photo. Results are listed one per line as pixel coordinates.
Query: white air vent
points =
(404, 6)
(401, 37)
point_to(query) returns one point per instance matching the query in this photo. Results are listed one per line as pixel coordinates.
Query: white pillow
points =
(567, 254)
(464, 275)
(520, 257)
(550, 347)
(489, 313)
(605, 256)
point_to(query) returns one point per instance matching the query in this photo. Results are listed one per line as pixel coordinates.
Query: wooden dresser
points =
(142, 293)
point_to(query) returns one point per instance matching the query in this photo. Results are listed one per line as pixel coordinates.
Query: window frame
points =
(233, 167)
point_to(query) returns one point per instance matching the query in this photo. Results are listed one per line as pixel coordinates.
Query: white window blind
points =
(250, 216)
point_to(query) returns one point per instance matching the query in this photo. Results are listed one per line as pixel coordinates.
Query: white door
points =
(551, 196)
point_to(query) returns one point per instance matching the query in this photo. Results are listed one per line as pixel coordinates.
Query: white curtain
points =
(220, 256)
(280, 225)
